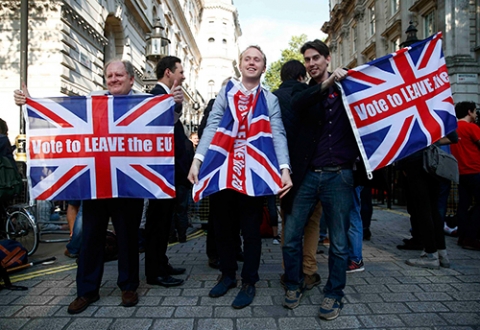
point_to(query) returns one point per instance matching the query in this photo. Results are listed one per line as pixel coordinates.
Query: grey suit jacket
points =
(278, 131)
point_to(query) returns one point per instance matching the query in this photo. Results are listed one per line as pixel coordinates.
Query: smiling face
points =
(316, 64)
(119, 82)
(252, 64)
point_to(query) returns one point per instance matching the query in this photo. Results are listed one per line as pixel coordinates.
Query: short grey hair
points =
(127, 64)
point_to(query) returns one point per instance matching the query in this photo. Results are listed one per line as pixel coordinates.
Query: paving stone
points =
(154, 312)
(33, 300)
(12, 323)
(462, 306)
(194, 311)
(129, 324)
(388, 308)
(432, 296)
(46, 323)
(363, 298)
(371, 288)
(215, 324)
(114, 312)
(427, 306)
(422, 319)
(302, 323)
(256, 324)
(471, 319)
(376, 321)
(394, 297)
(88, 323)
(173, 324)
(180, 301)
(342, 322)
(7, 311)
(37, 311)
(232, 312)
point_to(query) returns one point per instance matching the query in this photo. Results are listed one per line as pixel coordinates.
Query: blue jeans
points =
(355, 233)
(335, 191)
(76, 241)
(323, 227)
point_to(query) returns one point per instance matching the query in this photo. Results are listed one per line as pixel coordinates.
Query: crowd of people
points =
(318, 158)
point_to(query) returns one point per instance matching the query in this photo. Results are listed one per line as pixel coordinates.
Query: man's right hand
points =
(20, 95)
(177, 93)
(194, 170)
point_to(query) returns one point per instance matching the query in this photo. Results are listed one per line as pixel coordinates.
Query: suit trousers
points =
(125, 214)
(157, 231)
(233, 208)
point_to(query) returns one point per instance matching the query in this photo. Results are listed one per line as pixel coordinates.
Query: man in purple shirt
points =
(322, 170)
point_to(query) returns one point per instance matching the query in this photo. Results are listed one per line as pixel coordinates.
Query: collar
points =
(165, 87)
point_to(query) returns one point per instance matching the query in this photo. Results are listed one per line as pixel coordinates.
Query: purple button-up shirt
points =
(337, 145)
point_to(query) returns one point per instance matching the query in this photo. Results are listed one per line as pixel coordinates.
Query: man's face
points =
(118, 80)
(177, 75)
(252, 64)
(316, 64)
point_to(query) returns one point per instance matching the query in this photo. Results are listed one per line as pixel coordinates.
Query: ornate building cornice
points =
(73, 18)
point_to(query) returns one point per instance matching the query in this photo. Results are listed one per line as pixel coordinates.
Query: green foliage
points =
(272, 76)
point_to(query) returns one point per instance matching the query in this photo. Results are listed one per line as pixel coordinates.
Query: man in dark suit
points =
(158, 270)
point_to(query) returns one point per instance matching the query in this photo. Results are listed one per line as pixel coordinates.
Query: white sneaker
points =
(276, 240)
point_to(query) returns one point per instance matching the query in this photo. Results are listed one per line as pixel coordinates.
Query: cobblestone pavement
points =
(388, 295)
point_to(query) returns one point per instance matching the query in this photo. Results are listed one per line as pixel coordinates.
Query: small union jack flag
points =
(400, 103)
(100, 147)
(241, 155)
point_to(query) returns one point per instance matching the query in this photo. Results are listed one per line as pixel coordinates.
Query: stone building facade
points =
(71, 40)
(362, 30)
(219, 45)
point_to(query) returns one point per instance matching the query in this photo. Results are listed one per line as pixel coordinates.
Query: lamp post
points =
(411, 36)
(157, 47)
(21, 139)
(157, 43)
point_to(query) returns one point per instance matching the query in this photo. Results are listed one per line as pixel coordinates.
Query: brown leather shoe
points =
(80, 304)
(129, 298)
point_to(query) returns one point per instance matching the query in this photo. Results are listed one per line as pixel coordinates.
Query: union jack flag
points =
(100, 147)
(241, 155)
(400, 103)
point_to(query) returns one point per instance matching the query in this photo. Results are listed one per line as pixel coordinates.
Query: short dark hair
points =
(168, 62)
(318, 45)
(292, 70)
(3, 127)
(461, 108)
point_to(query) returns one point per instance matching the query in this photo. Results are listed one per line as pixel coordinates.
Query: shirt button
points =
(329, 135)
(329, 122)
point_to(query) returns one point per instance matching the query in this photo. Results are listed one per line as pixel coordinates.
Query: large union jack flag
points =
(100, 147)
(241, 155)
(400, 103)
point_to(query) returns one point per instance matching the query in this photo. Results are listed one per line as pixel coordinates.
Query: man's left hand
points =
(177, 93)
(286, 182)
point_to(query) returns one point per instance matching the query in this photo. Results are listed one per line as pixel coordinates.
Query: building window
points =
(211, 39)
(394, 6)
(224, 41)
(371, 12)
(395, 44)
(429, 24)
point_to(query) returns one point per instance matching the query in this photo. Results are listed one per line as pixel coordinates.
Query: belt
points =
(337, 168)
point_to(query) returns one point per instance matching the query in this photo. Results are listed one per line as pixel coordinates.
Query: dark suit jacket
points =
(183, 146)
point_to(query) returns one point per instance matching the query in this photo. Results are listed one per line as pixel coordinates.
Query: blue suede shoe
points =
(244, 297)
(224, 284)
